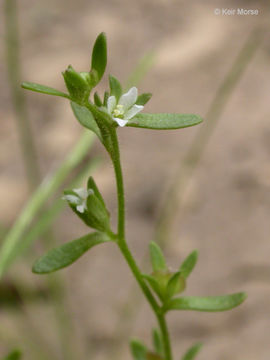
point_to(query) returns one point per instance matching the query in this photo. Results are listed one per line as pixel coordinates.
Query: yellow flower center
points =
(118, 111)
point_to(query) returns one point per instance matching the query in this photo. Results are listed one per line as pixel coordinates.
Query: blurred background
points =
(193, 61)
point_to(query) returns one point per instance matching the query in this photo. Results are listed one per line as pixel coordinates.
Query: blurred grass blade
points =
(164, 121)
(209, 304)
(188, 264)
(141, 69)
(45, 190)
(68, 253)
(192, 352)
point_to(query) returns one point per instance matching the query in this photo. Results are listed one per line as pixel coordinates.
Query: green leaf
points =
(143, 98)
(97, 100)
(164, 121)
(188, 264)
(43, 89)
(99, 58)
(138, 350)
(210, 304)
(157, 342)
(85, 118)
(115, 87)
(157, 258)
(192, 352)
(14, 355)
(66, 254)
(175, 285)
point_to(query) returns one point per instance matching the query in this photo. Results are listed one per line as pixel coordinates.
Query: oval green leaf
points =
(115, 87)
(85, 118)
(66, 254)
(99, 57)
(210, 303)
(43, 89)
(192, 352)
(164, 121)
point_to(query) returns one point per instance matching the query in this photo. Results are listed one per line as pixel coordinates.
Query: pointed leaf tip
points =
(192, 352)
(157, 258)
(188, 264)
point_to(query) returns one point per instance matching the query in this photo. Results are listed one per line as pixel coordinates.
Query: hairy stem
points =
(126, 251)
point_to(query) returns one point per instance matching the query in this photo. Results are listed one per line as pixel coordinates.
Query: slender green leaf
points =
(157, 258)
(99, 57)
(138, 349)
(43, 89)
(143, 98)
(210, 304)
(164, 121)
(14, 355)
(115, 87)
(66, 254)
(157, 342)
(85, 118)
(188, 264)
(192, 352)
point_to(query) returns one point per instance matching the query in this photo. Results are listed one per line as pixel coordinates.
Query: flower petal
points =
(73, 199)
(133, 111)
(111, 104)
(80, 208)
(128, 99)
(82, 193)
(120, 122)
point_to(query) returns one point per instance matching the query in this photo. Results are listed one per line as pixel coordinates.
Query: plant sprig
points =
(103, 115)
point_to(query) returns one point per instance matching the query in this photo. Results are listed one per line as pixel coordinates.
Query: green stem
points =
(115, 155)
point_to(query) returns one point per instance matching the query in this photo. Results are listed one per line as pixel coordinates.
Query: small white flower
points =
(80, 199)
(126, 108)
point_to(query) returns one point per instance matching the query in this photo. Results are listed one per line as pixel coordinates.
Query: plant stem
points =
(115, 155)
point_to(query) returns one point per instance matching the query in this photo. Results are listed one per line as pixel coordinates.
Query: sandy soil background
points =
(226, 212)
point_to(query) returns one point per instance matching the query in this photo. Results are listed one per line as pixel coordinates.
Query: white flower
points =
(126, 108)
(80, 199)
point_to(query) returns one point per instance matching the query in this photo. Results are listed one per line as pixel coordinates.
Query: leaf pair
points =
(165, 283)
